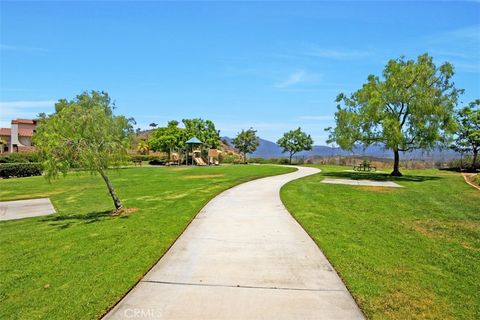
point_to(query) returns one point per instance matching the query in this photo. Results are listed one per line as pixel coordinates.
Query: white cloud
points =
(317, 51)
(459, 46)
(25, 109)
(293, 79)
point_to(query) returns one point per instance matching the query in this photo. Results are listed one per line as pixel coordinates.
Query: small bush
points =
(11, 170)
(19, 158)
(143, 157)
(157, 162)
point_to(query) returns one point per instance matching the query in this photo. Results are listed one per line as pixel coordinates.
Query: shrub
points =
(10, 170)
(157, 162)
(19, 158)
(143, 157)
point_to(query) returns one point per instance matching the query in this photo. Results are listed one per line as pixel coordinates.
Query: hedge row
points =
(143, 157)
(10, 170)
(18, 157)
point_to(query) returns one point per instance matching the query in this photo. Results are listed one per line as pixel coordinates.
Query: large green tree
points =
(204, 130)
(295, 141)
(410, 107)
(246, 141)
(468, 132)
(168, 139)
(84, 133)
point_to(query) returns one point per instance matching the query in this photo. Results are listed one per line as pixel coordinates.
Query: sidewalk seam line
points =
(236, 286)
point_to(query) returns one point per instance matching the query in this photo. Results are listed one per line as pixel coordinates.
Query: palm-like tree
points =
(143, 147)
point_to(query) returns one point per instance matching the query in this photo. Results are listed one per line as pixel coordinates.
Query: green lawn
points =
(78, 262)
(409, 253)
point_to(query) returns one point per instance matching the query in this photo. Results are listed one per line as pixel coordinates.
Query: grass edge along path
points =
(404, 253)
(79, 262)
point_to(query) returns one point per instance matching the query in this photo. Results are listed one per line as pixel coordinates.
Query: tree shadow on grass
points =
(378, 176)
(65, 221)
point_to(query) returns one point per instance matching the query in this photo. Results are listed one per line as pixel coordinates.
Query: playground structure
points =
(195, 153)
(175, 159)
(214, 156)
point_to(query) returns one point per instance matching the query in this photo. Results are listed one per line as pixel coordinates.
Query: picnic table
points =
(365, 167)
(137, 162)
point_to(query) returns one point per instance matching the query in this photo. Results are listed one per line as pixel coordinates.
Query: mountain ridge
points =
(269, 149)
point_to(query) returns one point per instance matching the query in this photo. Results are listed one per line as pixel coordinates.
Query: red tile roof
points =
(23, 121)
(5, 132)
(25, 132)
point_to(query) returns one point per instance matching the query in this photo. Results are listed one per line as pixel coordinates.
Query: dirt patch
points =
(124, 211)
(376, 189)
(204, 176)
(452, 231)
(401, 305)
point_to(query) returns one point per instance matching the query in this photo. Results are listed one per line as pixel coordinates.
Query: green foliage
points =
(410, 108)
(143, 147)
(246, 142)
(468, 131)
(142, 157)
(10, 170)
(19, 158)
(84, 132)
(157, 162)
(204, 130)
(295, 141)
(169, 138)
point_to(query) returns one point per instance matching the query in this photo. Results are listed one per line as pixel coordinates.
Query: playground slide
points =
(199, 161)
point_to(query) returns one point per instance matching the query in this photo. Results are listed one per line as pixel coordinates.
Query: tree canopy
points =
(204, 130)
(468, 132)
(246, 141)
(295, 141)
(84, 133)
(410, 107)
(168, 139)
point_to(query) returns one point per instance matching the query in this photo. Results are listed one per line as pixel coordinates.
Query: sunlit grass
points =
(405, 253)
(79, 262)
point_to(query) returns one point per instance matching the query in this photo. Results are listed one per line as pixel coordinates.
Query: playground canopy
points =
(193, 141)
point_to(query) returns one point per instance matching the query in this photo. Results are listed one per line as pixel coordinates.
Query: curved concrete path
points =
(242, 257)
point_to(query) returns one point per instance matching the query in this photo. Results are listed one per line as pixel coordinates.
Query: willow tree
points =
(410, 107)
(84, 133)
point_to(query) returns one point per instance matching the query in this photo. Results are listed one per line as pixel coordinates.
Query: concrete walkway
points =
(19, 209)
(242, 257)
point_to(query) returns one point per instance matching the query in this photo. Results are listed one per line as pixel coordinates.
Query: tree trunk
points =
(396, 163)
(113, 194)
(245, 157)
(474, 162)
(290, 159)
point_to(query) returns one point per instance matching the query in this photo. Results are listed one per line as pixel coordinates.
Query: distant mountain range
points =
(269, 149)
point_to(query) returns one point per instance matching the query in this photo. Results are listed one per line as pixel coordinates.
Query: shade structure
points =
(194, 140)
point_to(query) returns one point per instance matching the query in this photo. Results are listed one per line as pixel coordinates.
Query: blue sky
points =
(273, 66)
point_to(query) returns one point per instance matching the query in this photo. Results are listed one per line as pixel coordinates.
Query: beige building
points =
(18, 137)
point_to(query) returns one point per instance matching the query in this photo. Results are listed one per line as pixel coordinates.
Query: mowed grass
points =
(79, 262)
(404, 253)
